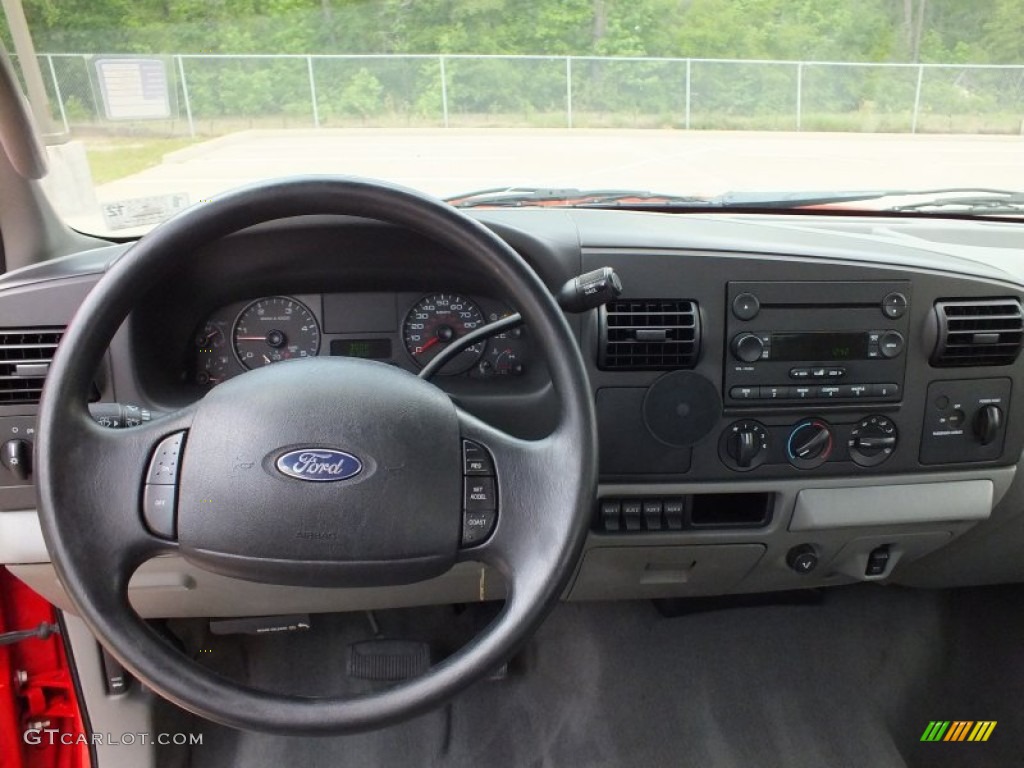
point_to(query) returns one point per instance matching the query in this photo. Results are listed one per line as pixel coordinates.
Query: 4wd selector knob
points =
(810, 444)
(747, 347)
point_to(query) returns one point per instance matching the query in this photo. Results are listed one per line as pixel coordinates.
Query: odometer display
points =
(434, 322)
(274, 329)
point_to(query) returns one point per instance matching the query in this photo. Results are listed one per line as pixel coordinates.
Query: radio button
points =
(888, 391)
(799, 373)
(835, 373)
(745, 393)
(829, 392)
(894, 305)
(774, 393)
(802, 393)
(819, 373)
(746, 306)
(857, 390)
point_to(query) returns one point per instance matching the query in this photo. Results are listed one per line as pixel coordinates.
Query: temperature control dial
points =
(872, 441)
(744, 445)
(810, 444)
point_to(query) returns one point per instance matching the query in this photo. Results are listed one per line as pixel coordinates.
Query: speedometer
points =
(274, 329)
(434, 322)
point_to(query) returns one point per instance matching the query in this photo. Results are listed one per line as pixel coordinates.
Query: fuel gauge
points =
(502, 359)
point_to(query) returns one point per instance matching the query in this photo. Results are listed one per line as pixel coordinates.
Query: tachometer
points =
(434, 322)
(274, 329)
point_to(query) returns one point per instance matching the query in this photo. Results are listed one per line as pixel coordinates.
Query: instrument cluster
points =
(403, 329)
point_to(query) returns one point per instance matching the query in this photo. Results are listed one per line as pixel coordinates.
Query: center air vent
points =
(978, 332)
(649, 335)
(25, 357)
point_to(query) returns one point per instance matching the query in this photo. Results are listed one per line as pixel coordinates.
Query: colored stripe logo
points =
(958, 730)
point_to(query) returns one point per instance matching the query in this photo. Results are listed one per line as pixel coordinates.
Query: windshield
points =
(149, 107)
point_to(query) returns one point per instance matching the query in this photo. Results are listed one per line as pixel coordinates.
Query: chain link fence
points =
(215, 94)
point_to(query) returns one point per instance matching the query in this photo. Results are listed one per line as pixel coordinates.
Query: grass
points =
(114, 158)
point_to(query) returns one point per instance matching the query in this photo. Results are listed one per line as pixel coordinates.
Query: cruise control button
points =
(163, 467)
(159, 504)
(475, 459)
(477, 526)
(479, 494)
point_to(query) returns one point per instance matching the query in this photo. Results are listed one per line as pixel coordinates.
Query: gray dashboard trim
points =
(823, 508)
(21, 539)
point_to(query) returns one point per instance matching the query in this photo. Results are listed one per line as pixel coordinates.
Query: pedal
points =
(388, 660)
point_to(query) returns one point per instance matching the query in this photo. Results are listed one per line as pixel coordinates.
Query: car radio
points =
(821, 342)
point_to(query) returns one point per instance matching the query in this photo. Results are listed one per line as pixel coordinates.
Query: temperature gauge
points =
(213, 355)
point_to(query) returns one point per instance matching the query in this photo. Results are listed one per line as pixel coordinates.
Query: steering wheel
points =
(243, 506)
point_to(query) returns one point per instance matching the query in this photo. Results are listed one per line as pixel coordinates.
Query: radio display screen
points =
(822, 347)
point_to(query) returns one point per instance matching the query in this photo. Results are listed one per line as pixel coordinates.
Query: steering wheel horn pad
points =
(395, 521)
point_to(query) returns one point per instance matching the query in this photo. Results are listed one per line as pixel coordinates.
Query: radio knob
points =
(747, 347)
(890, 344)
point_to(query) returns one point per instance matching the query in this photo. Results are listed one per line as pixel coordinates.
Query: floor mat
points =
(852, 681)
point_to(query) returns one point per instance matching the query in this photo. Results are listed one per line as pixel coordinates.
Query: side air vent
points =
(25, 357)
(649, 335)
(977, 332)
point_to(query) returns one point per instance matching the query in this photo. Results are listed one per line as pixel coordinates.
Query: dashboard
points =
(782, 401)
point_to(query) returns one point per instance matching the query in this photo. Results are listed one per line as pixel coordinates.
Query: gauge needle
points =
(250, 338)
(267, 359)
(428, 345)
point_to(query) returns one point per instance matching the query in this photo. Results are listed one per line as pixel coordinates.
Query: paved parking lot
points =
(446, 162)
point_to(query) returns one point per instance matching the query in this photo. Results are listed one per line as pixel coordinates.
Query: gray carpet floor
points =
(850, 681)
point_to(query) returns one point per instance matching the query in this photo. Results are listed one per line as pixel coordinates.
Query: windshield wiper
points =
(966, 199)
(522, 197)
(993, 203)
(979, 200)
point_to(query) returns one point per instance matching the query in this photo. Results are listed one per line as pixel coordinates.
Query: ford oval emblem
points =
(319, 465)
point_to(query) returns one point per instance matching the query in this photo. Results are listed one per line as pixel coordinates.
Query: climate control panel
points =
(808, 443)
